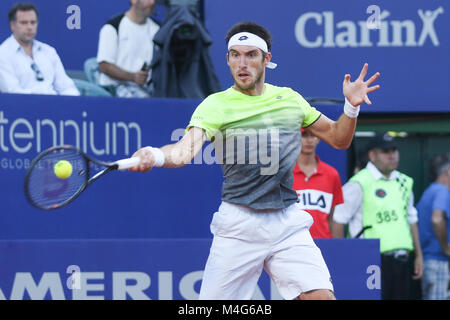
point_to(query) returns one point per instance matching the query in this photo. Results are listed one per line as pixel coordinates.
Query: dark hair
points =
(251, 27)
(22, 6)
(438, 164)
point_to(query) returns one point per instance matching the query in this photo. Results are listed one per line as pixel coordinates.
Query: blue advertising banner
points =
(315, 43)
(163, 203)
(157, 269)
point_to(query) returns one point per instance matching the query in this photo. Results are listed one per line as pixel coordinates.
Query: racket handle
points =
(128, 163)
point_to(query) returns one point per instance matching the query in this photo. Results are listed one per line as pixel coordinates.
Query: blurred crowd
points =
(137, 56)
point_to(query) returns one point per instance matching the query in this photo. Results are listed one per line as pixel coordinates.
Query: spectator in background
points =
(434, 230)
(125, 50)
(318, 186)
(379, 203)
(28, 65)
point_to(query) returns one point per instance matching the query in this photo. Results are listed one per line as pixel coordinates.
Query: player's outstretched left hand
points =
(357, 92)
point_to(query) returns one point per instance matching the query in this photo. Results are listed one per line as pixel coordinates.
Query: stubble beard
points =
(252, 85)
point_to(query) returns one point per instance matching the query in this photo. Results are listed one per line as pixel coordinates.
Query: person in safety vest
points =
(379, 203)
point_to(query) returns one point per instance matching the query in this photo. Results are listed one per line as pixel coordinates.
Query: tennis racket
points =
(48, 188)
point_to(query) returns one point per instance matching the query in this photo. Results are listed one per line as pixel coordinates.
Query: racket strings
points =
(46, 189)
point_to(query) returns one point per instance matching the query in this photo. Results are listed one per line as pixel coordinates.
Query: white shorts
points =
(246, 241)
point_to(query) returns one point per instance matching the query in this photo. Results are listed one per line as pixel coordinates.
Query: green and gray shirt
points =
(257, 140)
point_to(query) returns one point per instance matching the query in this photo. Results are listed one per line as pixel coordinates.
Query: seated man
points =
(125, 50)
(28, 65)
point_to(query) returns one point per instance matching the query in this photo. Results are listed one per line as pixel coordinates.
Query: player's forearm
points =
(115, 72)
(173, 155)
(177, 156)
(344, 129)
(181, 153)
(345, 126)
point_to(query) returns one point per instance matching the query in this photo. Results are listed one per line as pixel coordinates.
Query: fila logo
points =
(315, 200)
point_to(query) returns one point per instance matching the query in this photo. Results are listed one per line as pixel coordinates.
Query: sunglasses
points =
(37, 72)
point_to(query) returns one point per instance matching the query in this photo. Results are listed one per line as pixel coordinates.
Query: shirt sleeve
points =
(353, 196)
(441, 201)
(208, 117)
(107, 44)
(62, 83)
(311, 113)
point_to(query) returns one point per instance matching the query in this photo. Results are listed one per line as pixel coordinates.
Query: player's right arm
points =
(175, 155)
(205, 122)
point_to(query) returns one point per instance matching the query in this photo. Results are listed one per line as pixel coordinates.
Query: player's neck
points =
(257, 90)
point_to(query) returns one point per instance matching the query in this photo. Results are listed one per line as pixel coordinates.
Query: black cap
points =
(383, 141)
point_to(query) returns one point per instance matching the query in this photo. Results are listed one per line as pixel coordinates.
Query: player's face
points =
(309, 143)
(386, 161)
(247, 66)
(25, 26)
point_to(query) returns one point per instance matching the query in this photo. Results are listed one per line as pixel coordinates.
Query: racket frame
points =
(110, 166)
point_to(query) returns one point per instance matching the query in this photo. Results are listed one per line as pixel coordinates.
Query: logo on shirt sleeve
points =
(197, 118)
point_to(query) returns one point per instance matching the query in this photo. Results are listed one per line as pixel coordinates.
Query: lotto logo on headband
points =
(250, 39)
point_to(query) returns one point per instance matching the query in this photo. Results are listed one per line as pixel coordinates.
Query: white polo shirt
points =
(126, 44)
(17, 75)
(350, 212)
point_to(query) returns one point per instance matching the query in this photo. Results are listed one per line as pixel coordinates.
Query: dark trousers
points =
(396, 277)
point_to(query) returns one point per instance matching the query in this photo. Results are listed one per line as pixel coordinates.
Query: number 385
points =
(386, 216)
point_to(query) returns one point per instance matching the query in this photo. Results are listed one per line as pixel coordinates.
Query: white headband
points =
(250, 39)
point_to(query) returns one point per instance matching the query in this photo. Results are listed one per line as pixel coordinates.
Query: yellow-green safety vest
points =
(385, 210)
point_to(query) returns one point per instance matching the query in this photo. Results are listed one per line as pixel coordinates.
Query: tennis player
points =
(259, 224)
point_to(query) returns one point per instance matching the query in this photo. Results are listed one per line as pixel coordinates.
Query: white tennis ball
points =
(63, 169)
